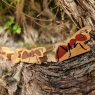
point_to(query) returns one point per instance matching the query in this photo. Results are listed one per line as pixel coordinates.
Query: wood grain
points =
(78, 49)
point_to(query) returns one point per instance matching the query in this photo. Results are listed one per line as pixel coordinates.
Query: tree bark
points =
(81, 12)
(75, 76)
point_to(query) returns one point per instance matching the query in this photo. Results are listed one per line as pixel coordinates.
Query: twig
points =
(26, 14)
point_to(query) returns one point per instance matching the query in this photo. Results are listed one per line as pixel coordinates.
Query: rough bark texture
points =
(75, 76)
(81, 12)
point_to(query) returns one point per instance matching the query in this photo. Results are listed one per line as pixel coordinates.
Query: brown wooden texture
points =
(81, 12)
(16, 57)
(75, 76)
(6, 52)
(75, 46)
(35, 55)
(31, 56)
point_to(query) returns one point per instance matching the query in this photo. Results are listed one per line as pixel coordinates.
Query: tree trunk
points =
(75, 76)
(81, 12)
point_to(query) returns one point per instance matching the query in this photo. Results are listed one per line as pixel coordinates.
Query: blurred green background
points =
(32, 23)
